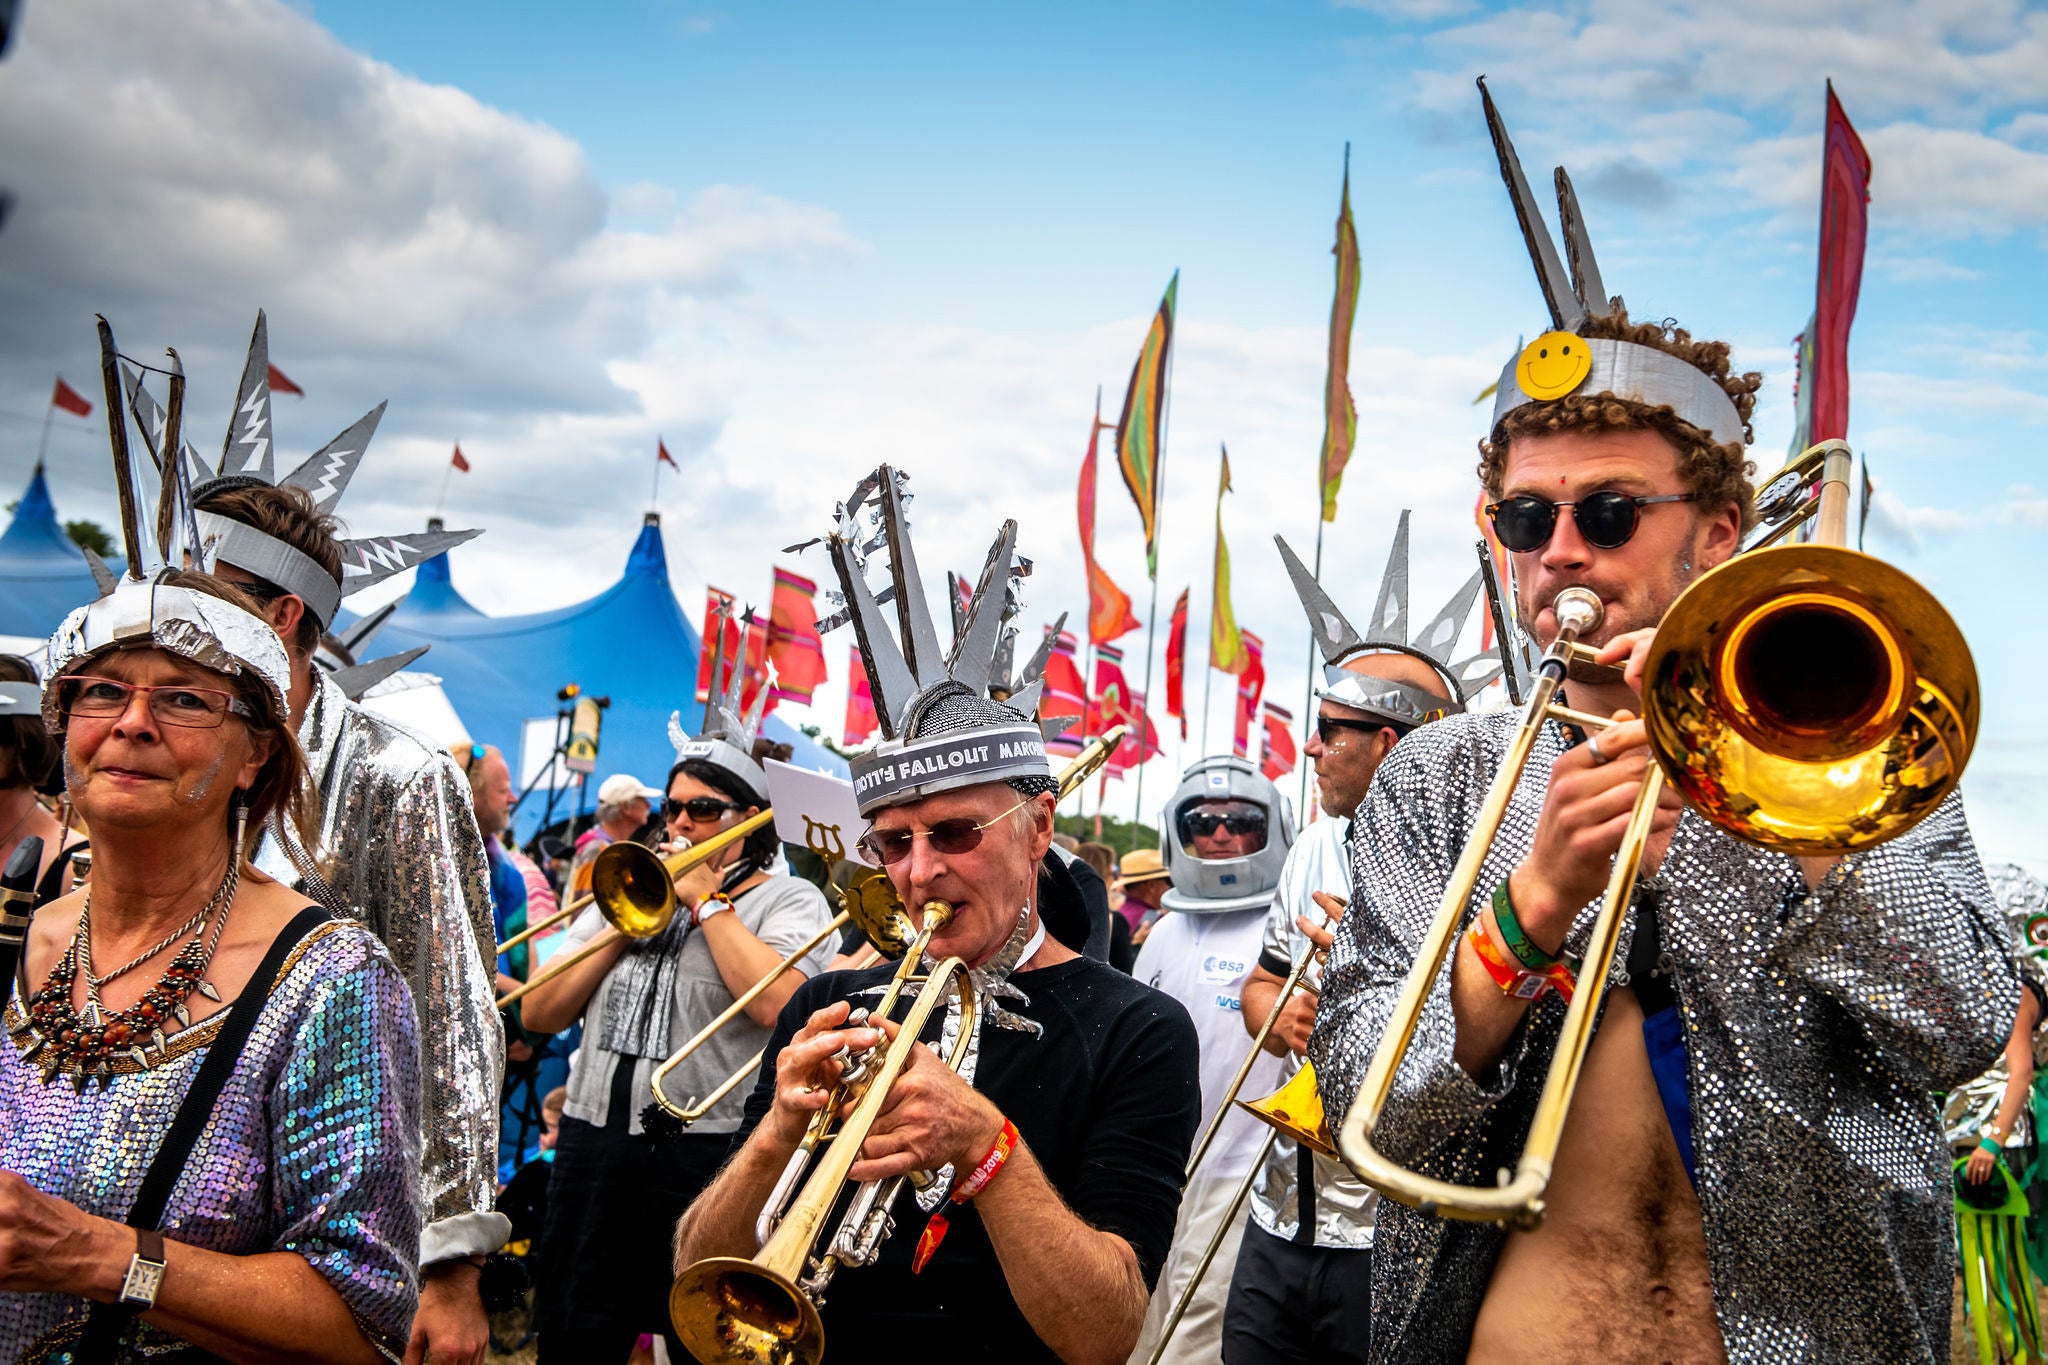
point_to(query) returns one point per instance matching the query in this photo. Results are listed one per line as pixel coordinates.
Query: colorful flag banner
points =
(794, 646)
(280, 384)
(460, 461)
(1251, 685)
(1278, 759)
(1140, 428)
(1111, 704)
(1065, 695)
(71, 400)
(1140, 744)
(1802, 391)
(1109, 607)
(662, 457)
(860, 703)
(1176, 662)
(1340, 414)
(714, 598)
(1844, 229)
(1226, 641)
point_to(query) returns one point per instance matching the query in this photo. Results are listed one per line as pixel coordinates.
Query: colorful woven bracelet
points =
(1527, 953)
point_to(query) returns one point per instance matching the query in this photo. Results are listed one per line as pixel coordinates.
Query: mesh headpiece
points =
(1561, 362)
(940, 730)
(1338, 641)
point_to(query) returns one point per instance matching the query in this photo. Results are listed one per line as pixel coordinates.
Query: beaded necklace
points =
(85, 1044)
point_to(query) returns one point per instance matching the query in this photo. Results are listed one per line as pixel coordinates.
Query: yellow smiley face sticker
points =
(1553, 365)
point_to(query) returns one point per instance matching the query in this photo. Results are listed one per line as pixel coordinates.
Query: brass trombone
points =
(1805, 698)
(764, 1310)
(634, 888)
(882, 920)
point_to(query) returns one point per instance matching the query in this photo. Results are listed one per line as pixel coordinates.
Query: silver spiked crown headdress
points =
(940, 730)
(1387, 630)
(248, 460)
(729, 730)
(1562, 362)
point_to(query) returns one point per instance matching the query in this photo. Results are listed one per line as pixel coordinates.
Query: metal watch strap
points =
(145, 1272)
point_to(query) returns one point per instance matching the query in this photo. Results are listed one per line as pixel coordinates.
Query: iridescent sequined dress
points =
(313, 1147)
(1817, 1027)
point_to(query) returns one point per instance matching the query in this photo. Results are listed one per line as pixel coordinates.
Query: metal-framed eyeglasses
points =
(956, 836)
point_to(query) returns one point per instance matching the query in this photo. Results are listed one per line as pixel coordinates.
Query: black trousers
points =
(606, 1257)
(1291, 1303)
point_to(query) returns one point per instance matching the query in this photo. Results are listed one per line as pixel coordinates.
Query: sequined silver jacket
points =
(1817, 1026)
(403, 855)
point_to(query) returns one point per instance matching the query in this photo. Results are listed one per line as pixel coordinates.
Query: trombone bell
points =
(1810, 699)
(731, 1309)
(1296, 1110)
(633, 889)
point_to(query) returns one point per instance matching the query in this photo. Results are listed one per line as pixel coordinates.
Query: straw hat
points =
(1140, 865)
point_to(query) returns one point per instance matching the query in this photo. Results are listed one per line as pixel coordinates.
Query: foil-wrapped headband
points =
(149, 614)
(1560, 363)
(252, 551)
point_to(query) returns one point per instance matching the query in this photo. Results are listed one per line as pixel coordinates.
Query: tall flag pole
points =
(1176, 662)
(1109, 607)
(661, 457)
(456, 461)
(1140, 454)
(67, 398)
(1844, 229)
(1340, 414)
(1227, 652)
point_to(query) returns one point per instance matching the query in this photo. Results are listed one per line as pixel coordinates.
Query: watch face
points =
(144, 1277)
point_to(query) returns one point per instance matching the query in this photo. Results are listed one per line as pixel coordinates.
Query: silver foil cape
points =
(406, 859)
(1817, 1027)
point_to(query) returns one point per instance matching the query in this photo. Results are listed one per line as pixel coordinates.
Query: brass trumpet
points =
(634, 888)
(1805, 698)
(764, 1311)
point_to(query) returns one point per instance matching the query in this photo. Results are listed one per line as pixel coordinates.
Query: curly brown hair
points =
(1716, 474)
(289, 514)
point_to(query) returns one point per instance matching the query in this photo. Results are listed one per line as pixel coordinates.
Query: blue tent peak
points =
(433, 590)
(648, 556)
(34, 533)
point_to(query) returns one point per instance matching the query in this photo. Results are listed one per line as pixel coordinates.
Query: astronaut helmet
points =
(1227, 831)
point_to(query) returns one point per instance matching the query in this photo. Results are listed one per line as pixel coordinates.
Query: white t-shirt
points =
(1202, 961)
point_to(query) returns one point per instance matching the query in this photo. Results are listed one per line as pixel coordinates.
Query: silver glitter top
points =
(1817, 1027)
(313, 1146)
(405, 858)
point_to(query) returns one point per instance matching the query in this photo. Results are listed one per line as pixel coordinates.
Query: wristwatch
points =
(145, 1272)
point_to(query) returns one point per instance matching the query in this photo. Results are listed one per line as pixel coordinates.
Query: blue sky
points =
(797, 238)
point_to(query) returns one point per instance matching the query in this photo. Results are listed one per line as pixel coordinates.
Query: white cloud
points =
(1413, 11)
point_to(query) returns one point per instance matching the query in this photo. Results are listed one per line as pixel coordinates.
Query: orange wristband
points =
(1514, 979)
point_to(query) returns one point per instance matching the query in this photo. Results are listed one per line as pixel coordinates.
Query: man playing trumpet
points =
(1059, 1146)
(1753, 1168)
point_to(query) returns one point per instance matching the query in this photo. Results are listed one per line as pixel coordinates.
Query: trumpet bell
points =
(1296, 1109)
(633, 889)
(726, 1309)
(1810, 699)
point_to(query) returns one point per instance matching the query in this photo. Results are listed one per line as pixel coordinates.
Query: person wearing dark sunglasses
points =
(625, 1170)
(1060, 1150)
(1751, 1167)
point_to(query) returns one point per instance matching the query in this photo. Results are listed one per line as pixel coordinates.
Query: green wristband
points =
(1988, 1145)
(1527, 953)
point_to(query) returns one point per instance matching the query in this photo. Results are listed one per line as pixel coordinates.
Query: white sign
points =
(815, 811)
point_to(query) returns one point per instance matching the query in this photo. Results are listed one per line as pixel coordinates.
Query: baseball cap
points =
(620, 788)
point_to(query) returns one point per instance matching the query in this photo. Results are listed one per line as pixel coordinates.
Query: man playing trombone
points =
(1753, 1169)
(1060, 1144)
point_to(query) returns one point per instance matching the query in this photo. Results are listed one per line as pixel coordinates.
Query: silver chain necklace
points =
(220, 900)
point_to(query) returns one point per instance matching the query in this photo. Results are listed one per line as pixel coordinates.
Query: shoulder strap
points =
(52, 884)
(169, 1163)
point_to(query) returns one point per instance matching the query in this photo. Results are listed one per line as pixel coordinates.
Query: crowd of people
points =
(260, 1101)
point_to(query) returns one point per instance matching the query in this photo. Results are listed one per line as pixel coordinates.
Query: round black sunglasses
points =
(1606, 519)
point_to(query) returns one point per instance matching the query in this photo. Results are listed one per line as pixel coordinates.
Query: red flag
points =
(1140, 744)
(280, 384)
(794, 645)
(1176, 661)
(460, 461)
(71, 400)
(714, 598)
(662, 456)
(1278, 760)
(757, 668)
(860, 703)
(1111, 704)
(1844, 225)
(1064, 695)
(1251, 684)
(1109, 607)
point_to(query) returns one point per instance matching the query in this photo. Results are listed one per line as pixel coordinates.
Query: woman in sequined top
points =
(292, 1230)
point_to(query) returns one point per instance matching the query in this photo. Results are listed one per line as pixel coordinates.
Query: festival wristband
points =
(1988, 1144)
(1527, 953)
(1516, 980)
(969, 1185)
(713, 904)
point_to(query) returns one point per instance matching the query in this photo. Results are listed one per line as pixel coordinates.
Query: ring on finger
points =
(1600, 755)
